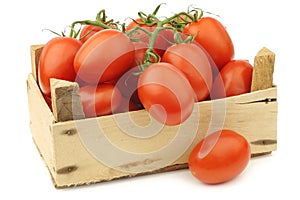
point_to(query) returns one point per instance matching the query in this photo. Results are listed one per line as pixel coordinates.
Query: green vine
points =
(176, 23)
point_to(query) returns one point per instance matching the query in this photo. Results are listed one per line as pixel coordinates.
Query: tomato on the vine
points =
(219, 157)
(165, 93)
(104, 57)
(235, 78)
(213, 36)
(163, 39)
(87, 32)
(99, 100)
(193, 61)
(56, 61)
(137, 22)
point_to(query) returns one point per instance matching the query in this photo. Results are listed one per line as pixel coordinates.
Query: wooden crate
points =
(85, 151)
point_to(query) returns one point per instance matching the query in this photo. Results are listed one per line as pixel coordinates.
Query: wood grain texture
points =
(263, 70)
(66, 102)
(41, 122)
(35, 52)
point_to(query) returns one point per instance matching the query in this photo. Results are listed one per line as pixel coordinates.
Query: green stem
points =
(91, 22)
(157, 8)
(101, 16)
(131, 31)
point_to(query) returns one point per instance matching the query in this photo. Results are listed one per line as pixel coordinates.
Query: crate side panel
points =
(256, 119)
(35, 51)
(41, 121)
(74, 164)
(247, 114)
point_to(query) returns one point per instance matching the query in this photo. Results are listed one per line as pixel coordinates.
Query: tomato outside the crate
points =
(219, 157)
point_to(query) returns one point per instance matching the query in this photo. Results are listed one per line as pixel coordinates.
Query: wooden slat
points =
(41, 121)
(263, 70)
(35, 52)
(66, 104)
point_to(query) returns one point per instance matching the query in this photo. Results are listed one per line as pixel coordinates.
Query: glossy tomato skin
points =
(213, 36)
(56, 61)
(104, 57)
(235, 78)
(219, 157)
(165, 93)
(99, 100)
(87, 32)
(193, 61)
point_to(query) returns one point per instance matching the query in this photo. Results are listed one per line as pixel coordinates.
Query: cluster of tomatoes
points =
(162, 65)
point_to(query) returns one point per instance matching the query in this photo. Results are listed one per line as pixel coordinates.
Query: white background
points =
(251, 24)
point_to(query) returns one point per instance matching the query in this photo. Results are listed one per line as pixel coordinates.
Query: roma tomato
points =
(213, 36)
(99, 100)
(235, 78)
(104, 57)
(56, 61)
(87, 31)
(219, 157)
(193, 61)
(165, 93)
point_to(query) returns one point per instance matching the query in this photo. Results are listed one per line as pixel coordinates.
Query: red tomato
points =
(56, 61)
(166, 93)
(219, 157)
(194, 63)
(87, 31)
(99, 100)
(235, 78)
(104, 57)
(213, 36)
